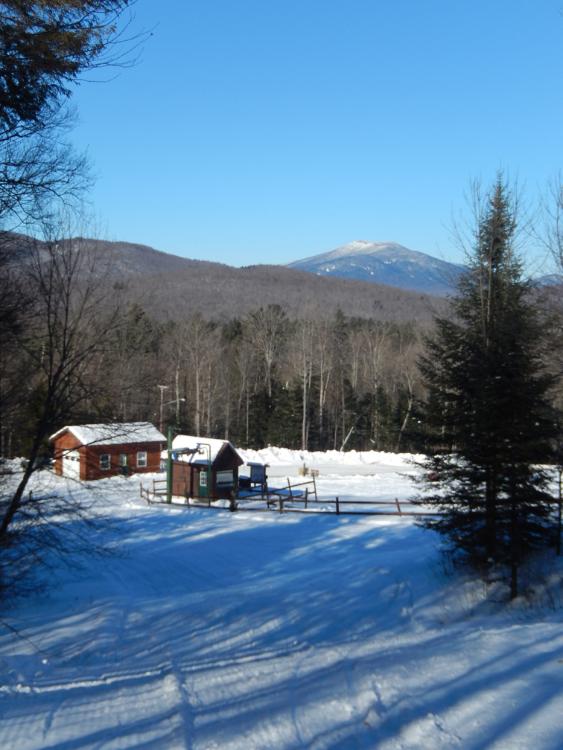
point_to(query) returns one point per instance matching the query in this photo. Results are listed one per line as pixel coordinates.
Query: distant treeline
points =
(259, 379)
(266, 379)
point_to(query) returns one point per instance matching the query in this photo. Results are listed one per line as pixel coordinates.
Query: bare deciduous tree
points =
(69, 324)
(265, 329)
(553, 226)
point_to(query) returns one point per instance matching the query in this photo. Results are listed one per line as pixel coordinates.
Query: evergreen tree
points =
(284, 423)
(488, 405)
(382, 423)
(44, 47)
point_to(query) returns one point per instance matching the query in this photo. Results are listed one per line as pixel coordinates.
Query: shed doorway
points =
(71, 465)
(203, 486)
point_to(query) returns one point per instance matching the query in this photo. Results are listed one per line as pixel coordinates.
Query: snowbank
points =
(334, 462)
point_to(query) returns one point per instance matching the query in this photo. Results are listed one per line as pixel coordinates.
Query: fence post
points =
(315, 488)
(306, 496)
(169, 469)
(289, 488)
(398, 506)
(337, 506)
(281, 503)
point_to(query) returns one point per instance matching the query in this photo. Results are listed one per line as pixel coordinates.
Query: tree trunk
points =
(410, 403)
(197, 415)
(177, 392)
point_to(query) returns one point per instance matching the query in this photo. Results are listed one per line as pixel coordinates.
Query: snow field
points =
(254, 630)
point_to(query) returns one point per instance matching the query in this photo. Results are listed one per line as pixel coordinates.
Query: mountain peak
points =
(384, 263)
(364, 247)
(362, 244)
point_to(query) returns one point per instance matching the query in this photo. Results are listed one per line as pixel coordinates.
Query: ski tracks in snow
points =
(270, 632)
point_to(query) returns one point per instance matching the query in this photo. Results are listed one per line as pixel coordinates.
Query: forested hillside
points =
(171, 287)
(258, 355)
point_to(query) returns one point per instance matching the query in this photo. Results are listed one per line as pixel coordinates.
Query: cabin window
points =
(123, 460)
(105, 461)
(203, 478)
(141, 459)
(225, 478)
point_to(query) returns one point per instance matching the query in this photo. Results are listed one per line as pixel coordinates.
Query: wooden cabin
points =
(96, 451)
(204, 467)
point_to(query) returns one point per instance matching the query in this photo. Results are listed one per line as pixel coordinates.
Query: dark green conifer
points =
(488, 405)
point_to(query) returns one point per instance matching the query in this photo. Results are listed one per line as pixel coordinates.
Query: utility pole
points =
(162, 388)
(169, 466)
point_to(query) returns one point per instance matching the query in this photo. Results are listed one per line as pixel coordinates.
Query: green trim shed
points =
(204, 468)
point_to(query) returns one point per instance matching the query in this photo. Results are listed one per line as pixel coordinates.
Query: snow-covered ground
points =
(253, 630)
(284, 461)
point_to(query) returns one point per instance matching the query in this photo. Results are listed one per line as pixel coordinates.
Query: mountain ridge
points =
(171, 287)
(386, 263)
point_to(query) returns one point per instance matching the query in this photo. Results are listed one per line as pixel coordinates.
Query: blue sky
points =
(265, 131)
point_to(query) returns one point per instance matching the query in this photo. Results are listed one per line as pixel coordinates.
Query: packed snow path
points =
(219, 630)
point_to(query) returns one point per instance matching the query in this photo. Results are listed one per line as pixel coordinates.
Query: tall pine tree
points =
(488, 405)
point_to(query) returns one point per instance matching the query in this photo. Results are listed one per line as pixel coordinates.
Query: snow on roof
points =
(251, 457)
(113, 433)
(209, 448)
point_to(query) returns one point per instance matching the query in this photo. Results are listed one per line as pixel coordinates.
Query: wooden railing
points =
(279, 503)
(154, 492)
(305, 504)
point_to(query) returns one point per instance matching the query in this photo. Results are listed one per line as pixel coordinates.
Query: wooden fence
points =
(156, 495)
(281, 501)
(307, 504)
(153, 492)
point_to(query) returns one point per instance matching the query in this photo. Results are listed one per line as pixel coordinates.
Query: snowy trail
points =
(248, 631)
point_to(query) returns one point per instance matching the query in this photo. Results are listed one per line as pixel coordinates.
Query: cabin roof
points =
(114, 433)
(208, 449)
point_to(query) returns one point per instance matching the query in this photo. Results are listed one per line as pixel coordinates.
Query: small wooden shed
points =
(96, 451)
(204, 467)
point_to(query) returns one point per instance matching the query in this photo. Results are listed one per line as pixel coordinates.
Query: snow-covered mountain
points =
(385, 263)
(552, 279)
